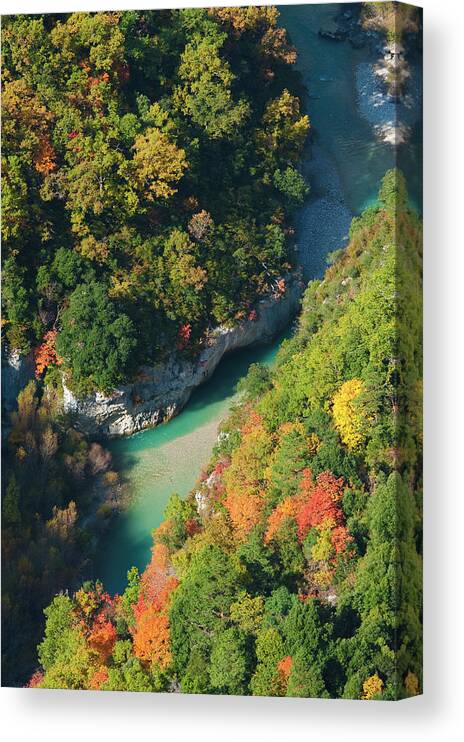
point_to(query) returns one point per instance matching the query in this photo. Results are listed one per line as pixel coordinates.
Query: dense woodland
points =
(59, 494)
(294, 567)
(149, 165)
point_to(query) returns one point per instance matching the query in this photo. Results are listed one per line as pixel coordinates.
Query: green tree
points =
(270, 650)
(11, 513)
(292, 185)
(255, 383)
(96, 342)
(63, 653)
(205, 94)
(229, 662)
(200, 609)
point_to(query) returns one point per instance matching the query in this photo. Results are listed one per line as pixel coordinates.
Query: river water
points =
(344, 166)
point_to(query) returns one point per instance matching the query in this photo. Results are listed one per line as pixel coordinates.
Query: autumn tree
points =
(347, 414)
(158, 164)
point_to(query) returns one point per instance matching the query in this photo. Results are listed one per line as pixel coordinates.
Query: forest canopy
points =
(294, 567)
(149, 164)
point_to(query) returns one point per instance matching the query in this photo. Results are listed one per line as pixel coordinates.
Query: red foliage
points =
(303, 597)
(73, 134)
(221, 466)
(123, 72)
(322, 498)
(183, 335)
(45, 354)
(192, 527)
(253, 315)
(35, 679)
(317, 502)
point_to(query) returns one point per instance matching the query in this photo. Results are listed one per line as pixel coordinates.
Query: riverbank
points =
(169, 458)
(344, 163)
(160, 392)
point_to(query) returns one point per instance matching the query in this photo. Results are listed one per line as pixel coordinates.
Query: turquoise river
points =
(344, 165)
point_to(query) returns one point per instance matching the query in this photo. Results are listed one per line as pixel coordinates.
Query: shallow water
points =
(167, 459)
(344, 166)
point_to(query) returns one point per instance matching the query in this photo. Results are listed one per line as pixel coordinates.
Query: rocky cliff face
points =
(17, 371)
(161, 391)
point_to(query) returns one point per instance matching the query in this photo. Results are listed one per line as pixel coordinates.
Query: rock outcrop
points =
(17, 371)
(161, 391)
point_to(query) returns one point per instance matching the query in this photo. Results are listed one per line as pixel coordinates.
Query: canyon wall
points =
(159, 392)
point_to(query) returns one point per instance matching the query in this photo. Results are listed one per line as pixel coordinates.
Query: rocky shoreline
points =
(389, 88)
(162, 390)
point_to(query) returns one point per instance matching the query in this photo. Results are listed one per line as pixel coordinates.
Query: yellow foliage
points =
(323, 577)
(247, 18)
(248, 470)
(391, 18)
(87, 601)
(93, 249)
(247, 612)
(323, 548)
(347, 417)
(283, 126)
(289, 427)
(372, 687)
(313, 444)
(218, 532)
(158, 163)
(411, 683)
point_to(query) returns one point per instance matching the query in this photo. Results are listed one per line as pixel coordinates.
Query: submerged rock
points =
(333, 35)
(161, 391)
(357, 40)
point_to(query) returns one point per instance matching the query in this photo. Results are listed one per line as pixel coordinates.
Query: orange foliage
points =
(340, 539)
(285, 509)
(151, 633)
(45, 158)
(253, 422)
(151, 638)
(45, 354)
(244, 511)
(102, 637)
(280, 287)
(156, 583)
(284, 668)
(98, 678)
